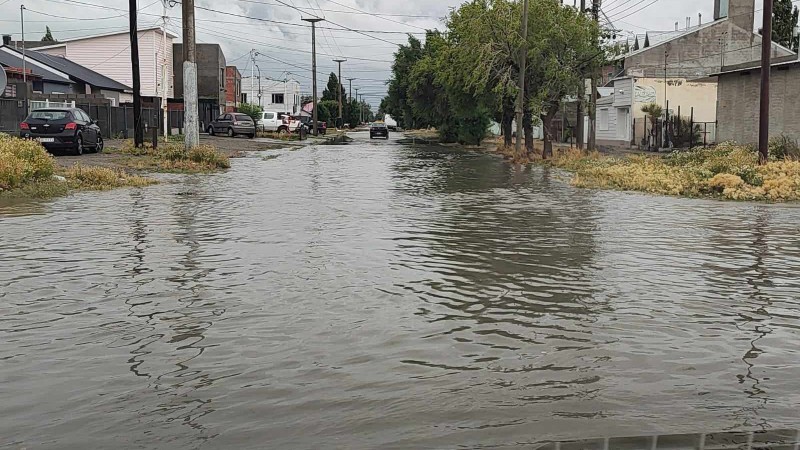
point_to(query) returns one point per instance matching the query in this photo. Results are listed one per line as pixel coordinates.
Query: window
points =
(49, 115)
(277, 98)
(602, 119)
(269, 116)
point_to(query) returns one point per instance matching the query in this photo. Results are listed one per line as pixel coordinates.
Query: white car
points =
(278, 122)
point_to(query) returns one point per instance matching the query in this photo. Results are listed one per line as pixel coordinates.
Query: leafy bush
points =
(783, 147)
(174, 157)
(252, 110)
(23, 161)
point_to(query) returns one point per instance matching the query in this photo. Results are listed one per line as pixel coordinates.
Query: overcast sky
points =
(285, 47)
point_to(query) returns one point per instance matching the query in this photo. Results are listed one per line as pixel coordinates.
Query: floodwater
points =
(386, 296)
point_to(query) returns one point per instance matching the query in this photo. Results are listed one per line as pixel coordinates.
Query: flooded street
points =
(378, 295)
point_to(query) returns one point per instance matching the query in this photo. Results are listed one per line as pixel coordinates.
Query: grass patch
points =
(727, 171)
(28, 171)
(279, 136)
(172, 157)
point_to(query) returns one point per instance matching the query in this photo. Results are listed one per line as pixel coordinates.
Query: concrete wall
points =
(210, 72)
(111, 56)
(701, 53)
(680, 92)
(739, 97)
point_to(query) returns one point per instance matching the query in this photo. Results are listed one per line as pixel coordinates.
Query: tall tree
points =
(330, 92)
(784, 21)
(48, 36)
(636, 43)
(646, 40)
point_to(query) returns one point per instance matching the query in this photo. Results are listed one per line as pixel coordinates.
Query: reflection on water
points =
(381, 296)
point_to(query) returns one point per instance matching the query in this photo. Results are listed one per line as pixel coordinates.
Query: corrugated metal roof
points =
(10, 58)
(76, 71)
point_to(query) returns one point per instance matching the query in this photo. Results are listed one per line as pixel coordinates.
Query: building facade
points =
(233, 89)
(211, 69)
(675, 72)
(110, 55)
(273, 95)
(739, 100)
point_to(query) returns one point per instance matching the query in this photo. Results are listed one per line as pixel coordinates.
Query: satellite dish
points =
(3, 80)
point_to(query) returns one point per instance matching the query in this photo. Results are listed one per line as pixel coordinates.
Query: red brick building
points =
(233, 89)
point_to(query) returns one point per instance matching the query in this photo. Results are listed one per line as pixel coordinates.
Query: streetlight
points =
(24, 64)
(313, 22)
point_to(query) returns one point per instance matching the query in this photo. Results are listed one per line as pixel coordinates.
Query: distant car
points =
(322, 127)
(63, 129)
(233, 124)
(278, 122)
(378, 129)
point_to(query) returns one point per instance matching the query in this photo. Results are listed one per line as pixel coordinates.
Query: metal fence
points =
(114, 121)
(653, 134)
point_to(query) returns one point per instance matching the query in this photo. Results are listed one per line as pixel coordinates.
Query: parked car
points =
(63, 129)
(278, 122)
(322, 127)
(233, 124)
(378, 129)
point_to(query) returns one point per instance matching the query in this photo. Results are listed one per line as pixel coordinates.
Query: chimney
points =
(740, 12)
(699, 19)
(676, 26)
(689, 22)
(7, 39)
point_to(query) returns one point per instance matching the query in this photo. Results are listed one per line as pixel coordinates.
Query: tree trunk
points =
(547, 126)
(507, 124)
(527, 124)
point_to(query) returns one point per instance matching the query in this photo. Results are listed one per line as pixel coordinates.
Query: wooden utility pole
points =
(315, 114)
(593, 106)
(766, 67)
(523, 61)
(340, 121)
(138, 131)
(191, 116)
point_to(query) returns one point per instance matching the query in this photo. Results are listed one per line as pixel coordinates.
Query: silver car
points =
(233, 124)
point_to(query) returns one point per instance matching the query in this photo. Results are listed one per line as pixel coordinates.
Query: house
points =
(739, 95)
(110, 55)
(674, 71)
(40, 77)
(233, 89)
(211, 80)
(274, 95)
(84, 81)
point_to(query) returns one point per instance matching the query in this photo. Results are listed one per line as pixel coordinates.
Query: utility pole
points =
(340, 122)
(358, 102)
(766, 67)
(523, 60)
(351, 87)
(190, 114)
(579, 131)
(666, 101)
(164, 63)
(253, 75)
(315, 114)
(593, 106)
(138, 131)
(260, 103)
(24, 61)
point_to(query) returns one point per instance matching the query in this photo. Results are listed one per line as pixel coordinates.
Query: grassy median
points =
(171, 157)
(27, 170)
(727, 171)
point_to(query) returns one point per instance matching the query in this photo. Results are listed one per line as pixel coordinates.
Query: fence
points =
(114, 121)
(652, 134)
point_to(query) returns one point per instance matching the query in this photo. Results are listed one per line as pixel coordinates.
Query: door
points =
(624, 124)
(85, 123)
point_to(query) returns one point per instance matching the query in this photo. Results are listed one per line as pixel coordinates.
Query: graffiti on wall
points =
(644, 94)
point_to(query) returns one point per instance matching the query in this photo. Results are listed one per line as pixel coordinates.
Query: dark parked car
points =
(233, 124)
(322, 127)
(378, 129)
(62, 129)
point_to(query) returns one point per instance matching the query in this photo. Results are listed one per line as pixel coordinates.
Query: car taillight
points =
(71, 126)
(24, 126)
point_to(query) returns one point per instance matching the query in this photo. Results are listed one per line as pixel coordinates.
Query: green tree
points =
(397, 99)
(48, 36)
(784, 21)
(330, 92)
(328, 111)
(646, 40)
(252, 110)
